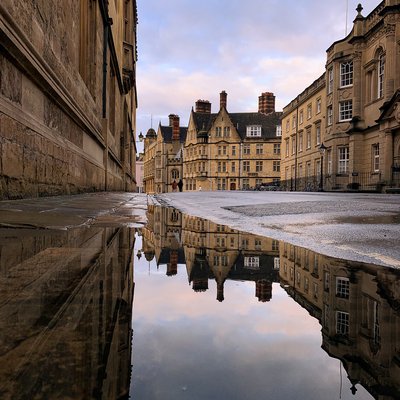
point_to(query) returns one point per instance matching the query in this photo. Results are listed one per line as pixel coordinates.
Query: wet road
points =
(354, 226)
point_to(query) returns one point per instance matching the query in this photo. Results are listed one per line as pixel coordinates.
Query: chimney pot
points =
(223, 99)
(266, 103)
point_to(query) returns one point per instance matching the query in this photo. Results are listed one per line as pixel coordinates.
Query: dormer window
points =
(279, 130)
(253, 131)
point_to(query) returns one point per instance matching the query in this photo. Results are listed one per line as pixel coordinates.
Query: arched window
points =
(175, 174)
(381, 73)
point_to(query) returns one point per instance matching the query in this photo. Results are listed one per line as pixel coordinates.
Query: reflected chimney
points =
(223, 99)
(175, 127)
(203, 106)
(266, 103)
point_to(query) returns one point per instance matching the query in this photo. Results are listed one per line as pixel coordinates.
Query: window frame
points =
(346, 73)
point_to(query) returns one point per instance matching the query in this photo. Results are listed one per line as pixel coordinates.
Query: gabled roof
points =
(268, 123)
(166, 132)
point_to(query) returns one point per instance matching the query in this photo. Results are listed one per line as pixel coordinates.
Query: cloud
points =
(190, 50)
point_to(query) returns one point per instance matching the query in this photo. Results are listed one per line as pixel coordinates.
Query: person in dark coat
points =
(180, 185)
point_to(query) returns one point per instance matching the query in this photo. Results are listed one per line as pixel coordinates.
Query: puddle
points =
(183, 308)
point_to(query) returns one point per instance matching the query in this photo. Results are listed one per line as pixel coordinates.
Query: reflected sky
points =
(187, 345)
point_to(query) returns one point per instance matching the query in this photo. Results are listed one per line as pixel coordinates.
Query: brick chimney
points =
(175, 126)
(223, 99)
(266, 103)
(203, 106)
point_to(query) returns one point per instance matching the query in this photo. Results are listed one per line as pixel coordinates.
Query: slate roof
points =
(166, 132)
(268, 122)
(203, 120)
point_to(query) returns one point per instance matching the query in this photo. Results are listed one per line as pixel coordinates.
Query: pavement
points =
(353, 226)
(66, 212)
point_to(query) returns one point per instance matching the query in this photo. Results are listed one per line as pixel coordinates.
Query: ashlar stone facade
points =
(67, 97)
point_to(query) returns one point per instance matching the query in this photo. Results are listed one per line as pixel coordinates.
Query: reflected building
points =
(65, 311)
(357, 306)
(210, 251)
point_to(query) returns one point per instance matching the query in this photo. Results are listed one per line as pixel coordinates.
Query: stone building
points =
(139, 173)
(357, 307)
(210, 252)
(66, 313)
(360, 124)
(163, 157)
(232, 151)
(67, 97)
(303, 122)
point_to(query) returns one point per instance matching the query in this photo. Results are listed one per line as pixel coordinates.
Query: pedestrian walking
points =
(180, 185)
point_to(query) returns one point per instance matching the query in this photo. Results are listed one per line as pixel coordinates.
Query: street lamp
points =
(322, 149)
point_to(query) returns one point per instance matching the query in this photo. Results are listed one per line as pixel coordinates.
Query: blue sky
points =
(191, 50)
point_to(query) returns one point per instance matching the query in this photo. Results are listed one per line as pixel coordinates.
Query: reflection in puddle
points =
(65, 312)
(217, 314)
(239, 350)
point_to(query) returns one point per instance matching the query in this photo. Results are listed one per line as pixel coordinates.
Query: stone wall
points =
(54, 128)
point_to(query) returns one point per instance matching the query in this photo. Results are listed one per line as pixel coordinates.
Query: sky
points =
(190, 50)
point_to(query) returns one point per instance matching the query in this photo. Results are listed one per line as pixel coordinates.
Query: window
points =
(343, 167)
(381, 74)
(330, 80)
(233, 167)
(309, 111)
(301, 117)
(287, 147)
(294, 122)
(375, 157)
(308, 169)
(318, 134)
(221, 166)
(246, 184)
(277, 148)
(252, 262)
(279, 130)
(227, 131)
(276, 166)
(293, 145)
(329, 161)
(308, 138)
(234, 150)
(346, 110)
(318, 106)
(301, 141)
(329, 113)
(246, 166)
(259, 148)
(253, 131)
(342, 323)
(246, 149)
(175, 174)
(259, 166)
(218, 131)
(342, 287)
(326, 281)
(287, 125)
(346, 73)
